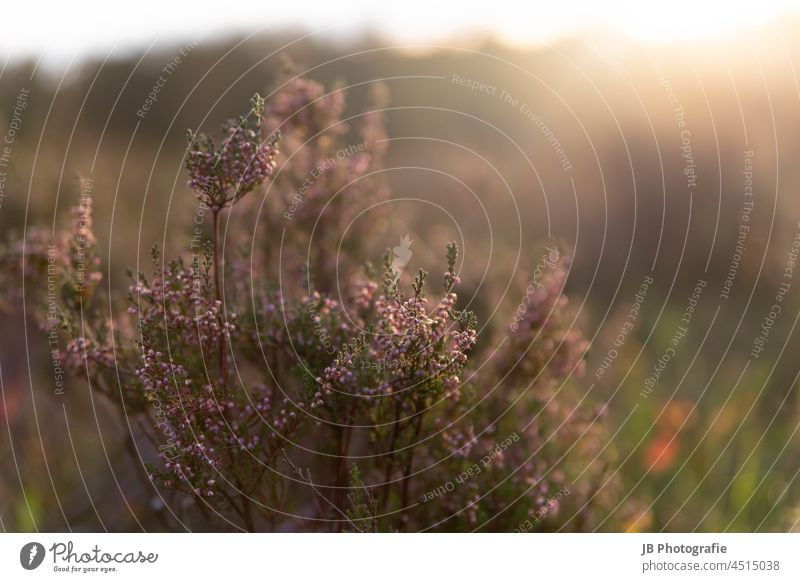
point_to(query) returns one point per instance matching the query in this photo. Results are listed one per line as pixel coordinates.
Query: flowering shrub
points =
(221, 176)
(288, 407)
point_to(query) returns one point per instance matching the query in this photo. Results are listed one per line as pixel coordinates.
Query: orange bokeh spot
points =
(661, 452)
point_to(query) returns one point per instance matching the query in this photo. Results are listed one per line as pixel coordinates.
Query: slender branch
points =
(223, 363)
(390, 460)
(410, 463)
(310, 482)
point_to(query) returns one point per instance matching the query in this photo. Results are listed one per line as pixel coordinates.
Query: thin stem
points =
(345, 436)
(223, 363)
(341, 471)
(410, 464)
(390, 459)
(239, 511)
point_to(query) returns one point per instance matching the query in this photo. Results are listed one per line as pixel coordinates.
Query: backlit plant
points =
(284, 406)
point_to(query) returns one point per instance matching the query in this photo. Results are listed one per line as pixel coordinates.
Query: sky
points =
(61, 31)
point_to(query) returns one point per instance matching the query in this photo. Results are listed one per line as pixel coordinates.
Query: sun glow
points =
(642, 20)
(99, 25)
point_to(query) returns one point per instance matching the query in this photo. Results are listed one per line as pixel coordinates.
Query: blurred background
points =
(658, 144)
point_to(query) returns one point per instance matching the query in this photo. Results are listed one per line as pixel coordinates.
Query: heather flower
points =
(232, 397)
(82, 257)
(221, 174)
(543, 343)
(328, 179)
(303, 107)
(32, 255)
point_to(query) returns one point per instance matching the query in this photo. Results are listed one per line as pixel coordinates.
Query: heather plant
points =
(291, 407)
(330, 174)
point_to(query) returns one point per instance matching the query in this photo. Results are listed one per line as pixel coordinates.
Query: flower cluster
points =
(221, 175)
(543, 342)
(303, 108)
(382, 393)
(29, 255)
(328, 179)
